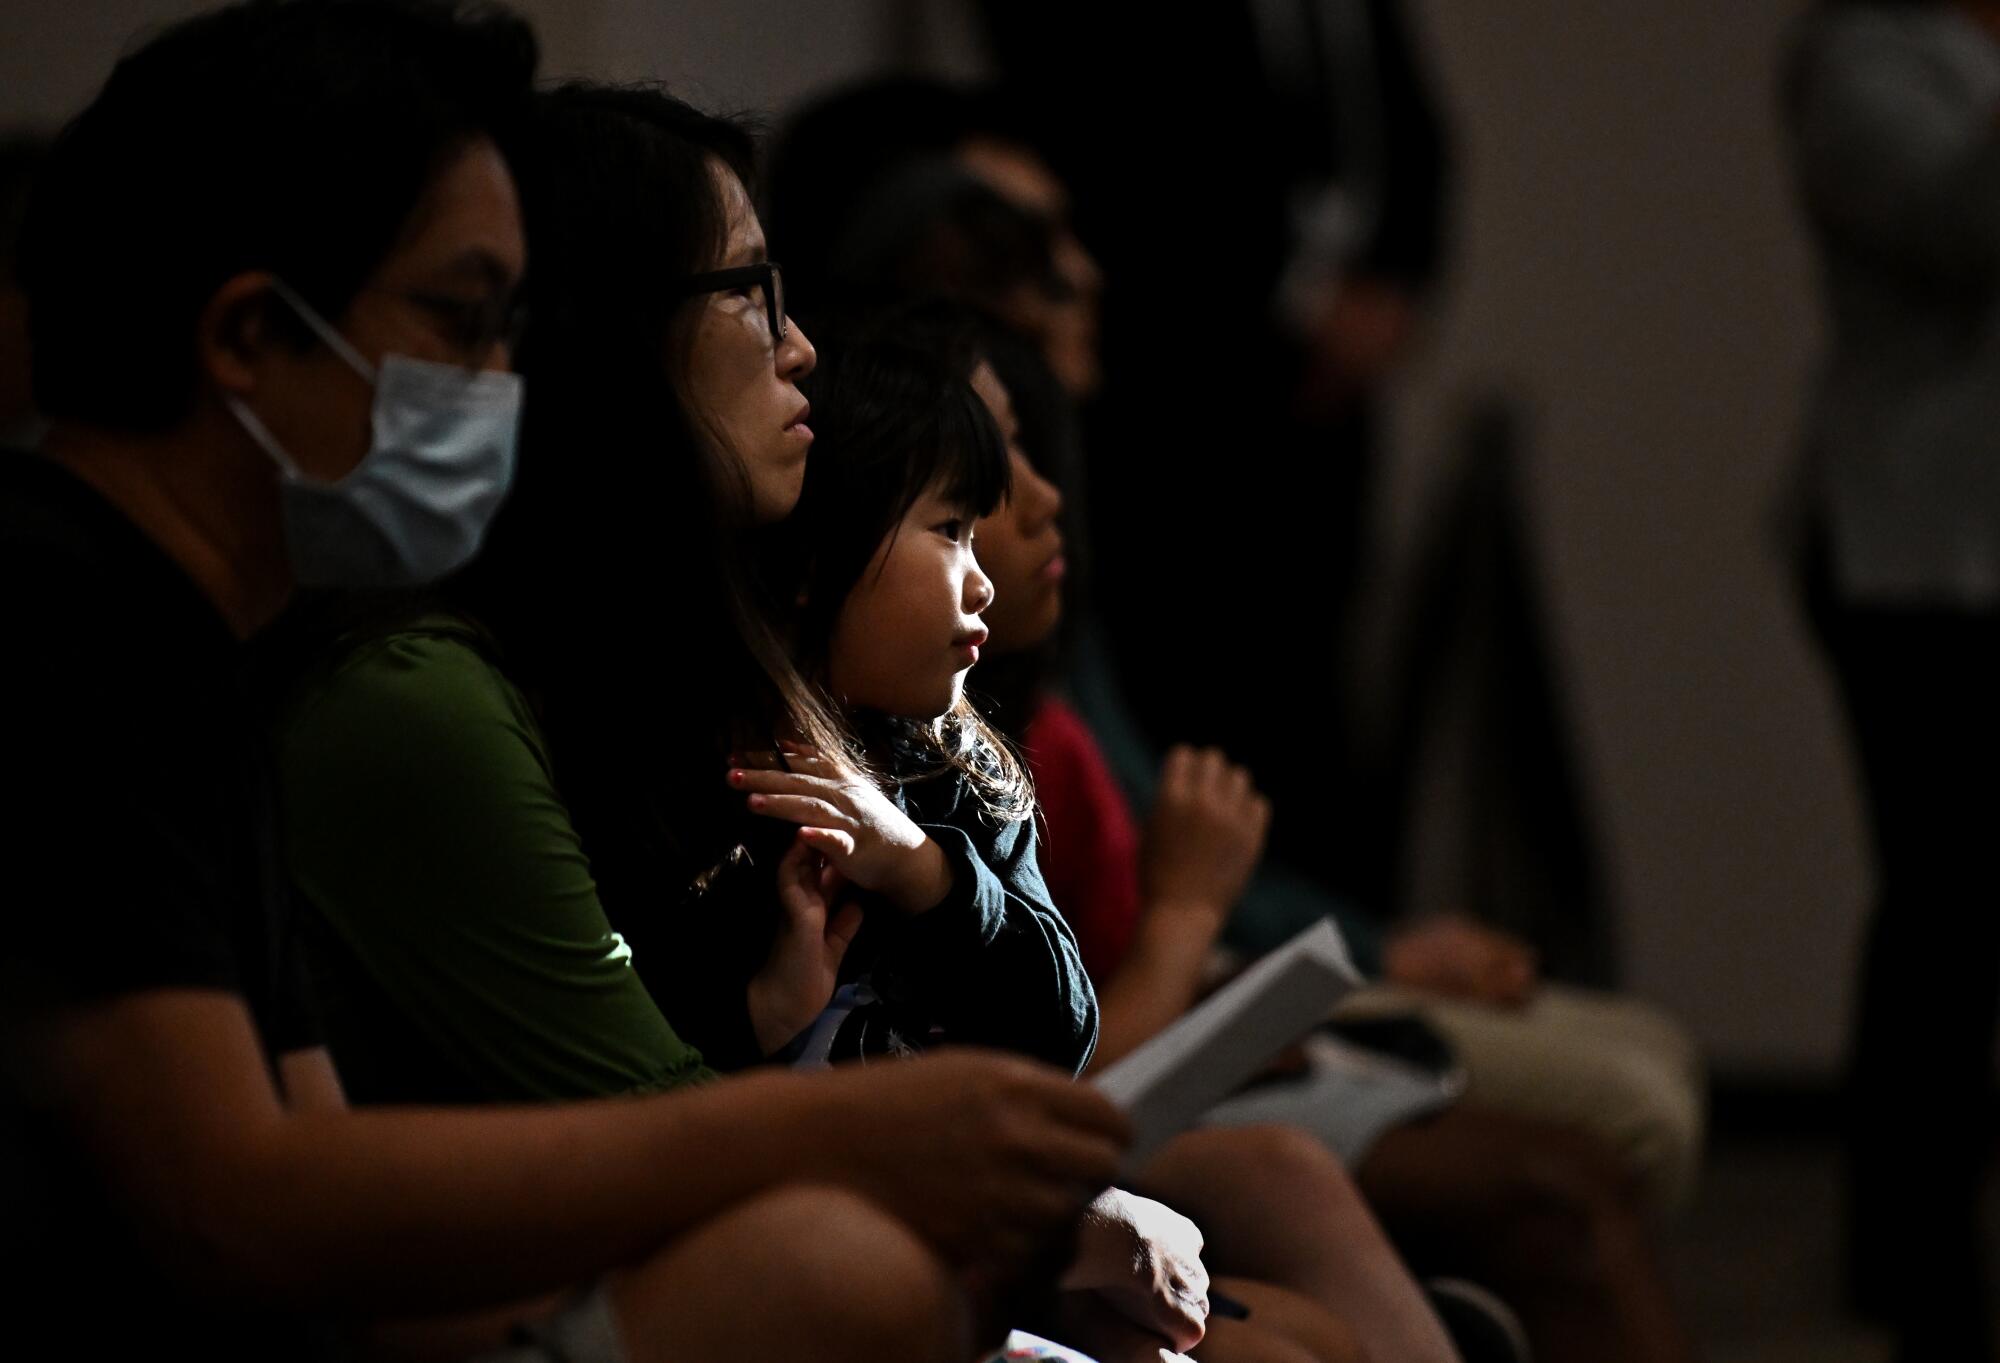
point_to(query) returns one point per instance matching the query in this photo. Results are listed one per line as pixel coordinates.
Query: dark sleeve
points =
(995, 963)
(1410, 240)
(114, 882)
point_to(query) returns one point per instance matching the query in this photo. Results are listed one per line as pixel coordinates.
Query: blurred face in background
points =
(1019, 545)
(741, 383)
(1065, 326)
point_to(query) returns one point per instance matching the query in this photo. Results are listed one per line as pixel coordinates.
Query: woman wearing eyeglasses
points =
(450, 762)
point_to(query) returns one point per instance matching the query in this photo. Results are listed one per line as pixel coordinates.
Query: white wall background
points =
(1629, 261)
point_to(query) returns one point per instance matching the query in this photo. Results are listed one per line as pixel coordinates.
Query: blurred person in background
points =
(970, 208)
(1523, 1203)
(1894, 115)
(1291, 205)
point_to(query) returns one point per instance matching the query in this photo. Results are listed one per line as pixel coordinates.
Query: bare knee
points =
(1297, 1159)
(808, 1269)
(870, 1278)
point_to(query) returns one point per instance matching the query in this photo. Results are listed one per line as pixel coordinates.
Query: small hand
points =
(1143, 1259)
(1459, 959)
(1205, 835)
(846, 818)
(803, 968)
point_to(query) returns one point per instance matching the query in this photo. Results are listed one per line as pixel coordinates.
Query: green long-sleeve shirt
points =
(467, 954)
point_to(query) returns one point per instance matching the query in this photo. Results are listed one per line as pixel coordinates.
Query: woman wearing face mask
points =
(474, 779)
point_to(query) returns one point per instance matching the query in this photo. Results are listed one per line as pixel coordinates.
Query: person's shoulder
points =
(58, 537)
(426, 694)
(434, 662)
(91, 602)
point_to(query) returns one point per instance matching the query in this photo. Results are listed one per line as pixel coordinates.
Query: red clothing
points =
(1090, 857)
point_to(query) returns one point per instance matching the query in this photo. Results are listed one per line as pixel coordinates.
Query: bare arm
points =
(1159, 980)
(1203, 841)
(388, 1211)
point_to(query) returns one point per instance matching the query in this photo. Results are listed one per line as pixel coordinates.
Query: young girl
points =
(960, 940)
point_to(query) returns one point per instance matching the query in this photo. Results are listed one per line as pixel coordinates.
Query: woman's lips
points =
(1054, 569)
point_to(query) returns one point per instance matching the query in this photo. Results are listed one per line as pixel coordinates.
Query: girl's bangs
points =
(968, 460)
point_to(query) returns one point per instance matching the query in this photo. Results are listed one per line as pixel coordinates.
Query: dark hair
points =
(895, 417)
(934, 230)
(840, 159)
(1011, 685)
(294, 136)
(616, 578)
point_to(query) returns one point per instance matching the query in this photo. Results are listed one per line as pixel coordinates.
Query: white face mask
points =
(418, 504)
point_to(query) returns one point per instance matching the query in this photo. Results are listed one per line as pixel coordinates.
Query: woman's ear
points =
(233, 333)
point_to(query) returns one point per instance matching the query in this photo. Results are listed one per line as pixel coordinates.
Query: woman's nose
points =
(796, 356)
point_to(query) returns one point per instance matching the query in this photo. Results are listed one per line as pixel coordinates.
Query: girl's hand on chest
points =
(846, 818)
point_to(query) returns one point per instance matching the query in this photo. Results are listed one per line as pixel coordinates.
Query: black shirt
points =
(139, 854)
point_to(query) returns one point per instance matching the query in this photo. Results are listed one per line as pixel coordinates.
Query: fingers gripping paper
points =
(1210, 1051)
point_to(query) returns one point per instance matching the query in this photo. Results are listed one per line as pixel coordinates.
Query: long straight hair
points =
(617, 579)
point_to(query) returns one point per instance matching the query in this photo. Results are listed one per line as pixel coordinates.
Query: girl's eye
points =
(952, 529)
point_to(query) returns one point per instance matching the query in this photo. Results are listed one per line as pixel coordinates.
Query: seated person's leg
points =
(1541, 1215)
(1287, 1315)
(1276, 1206)
(1626, 1073)
(805, 1273)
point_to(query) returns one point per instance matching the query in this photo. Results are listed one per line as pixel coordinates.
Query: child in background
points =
(1465, 1188)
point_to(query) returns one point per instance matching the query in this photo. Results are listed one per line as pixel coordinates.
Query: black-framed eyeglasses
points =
(764, 275)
